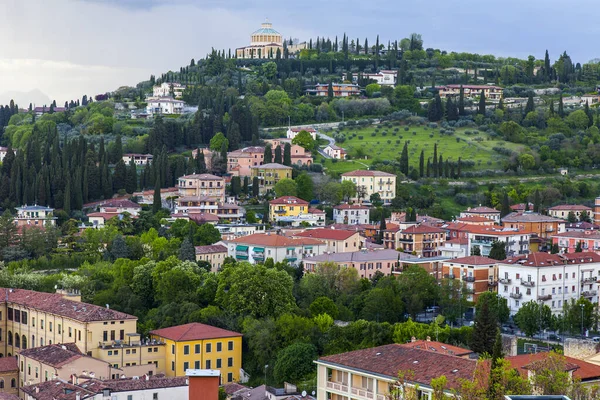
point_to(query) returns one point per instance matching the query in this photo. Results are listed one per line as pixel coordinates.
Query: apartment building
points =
(486, 212)
(490, 92)
(351, 214)
(477, 273)
(200, 346)
(339, 90)
(9, 377)
(202, 186)
(549, 278)
(214, 255)
(269, 174)
(370, 374)
(138, 159)
(562, 211)
(567, 242)
(336, 240)
(287, 206)
(240, 161)
(34, 216)
(516, 240)
(422, 240)
(371, 182)
(293, 132)
(164, 105)
(256, 248)
(543, 226)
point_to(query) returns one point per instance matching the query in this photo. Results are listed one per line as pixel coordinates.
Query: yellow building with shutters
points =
(199, 346)
(269, 174)
(287, 206)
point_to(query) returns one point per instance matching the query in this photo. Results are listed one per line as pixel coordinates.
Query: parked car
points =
(433, 309)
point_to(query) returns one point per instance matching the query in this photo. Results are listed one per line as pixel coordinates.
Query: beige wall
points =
(215, 259)
(34, 371)
(384, 185)
(7, 378)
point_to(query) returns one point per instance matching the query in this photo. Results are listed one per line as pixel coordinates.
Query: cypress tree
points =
(366, 48)
(440, 165)
(131, 178)
(200, 162)
(537, 201)
(529, 107)
(330, 90)
(461, 101)
(505, 210)
(428, 173)
(421, 163)
(552, 108)
(120, 175)
(459, 167)
(481, 109)
(157, 201)
(187, 252)
(561, 110)
(287, 155)
(268, 158)
(501, 105)
(255, 186)
(435, 162)
(404, 159)
(451, 110)
(246, 185)
(278, 158)
(484, 330)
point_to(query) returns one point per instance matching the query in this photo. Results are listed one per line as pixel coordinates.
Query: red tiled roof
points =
(583, 370)
(271, 166)
(105, 215)
(362, 172)
(437, 347)
(482, 210)
(55, 355)
(193, 331)
(8, 364)
(57, 304)
(497, 231)
(351, 207)
(423, 228)
(583, 257)
(215, 248)
(201, 218)
(592, 235)
(325, 233)
(274, 240)
(473, 260)
(315, 211)
(570, 207)
(388, 360)
(538, 259)
(121, 203)
(288, 200)
(458, 240)
(474, 218)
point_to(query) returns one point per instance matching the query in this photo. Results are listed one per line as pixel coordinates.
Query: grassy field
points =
(385, 142)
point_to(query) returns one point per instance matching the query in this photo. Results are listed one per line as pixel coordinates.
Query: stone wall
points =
(580, 349)
(509, 345)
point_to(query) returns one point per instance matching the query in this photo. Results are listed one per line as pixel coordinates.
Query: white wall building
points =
(334, 151)
(292, 132)
(163, 105)
(351, 214)
(383, 77)
(551, 279)
(168, 89)
(517, 241)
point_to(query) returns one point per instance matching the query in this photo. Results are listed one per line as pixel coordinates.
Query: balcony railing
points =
(527, 283)
(523, 251)
(522, 242)
(516, 295)
(505, 281)
(449, 276)
(362, 392)
(589, 293)
(589, 279)
(468, 278)
(340, 387)
(492, 283)
(545, 297)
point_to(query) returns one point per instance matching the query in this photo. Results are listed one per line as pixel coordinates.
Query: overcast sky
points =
(66, 48)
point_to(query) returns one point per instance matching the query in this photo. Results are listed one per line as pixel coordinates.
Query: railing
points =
(527, 283)
(589, 293)
(362, 392)
(340, 387)
(258, 255)
(468, 278)
(505, 281)
(589, 279)
(492, 283)
(545, 297)
(523, 242)
(516, 295)
(449, 276)
(523, 251)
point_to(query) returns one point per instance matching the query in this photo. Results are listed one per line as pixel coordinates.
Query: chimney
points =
(77, 396)
(413, 339)
(203, 383)
(429, 338)
(146, 377)
(37, 389)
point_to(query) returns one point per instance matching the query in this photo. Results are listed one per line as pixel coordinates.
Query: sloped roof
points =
(193, 331)
(205, 177)
(482, 210)
(582, 369)
(437, 347)
(423, 228)
(530, 217)
(55, 355)
(271, 166)
(351, 207)
(362, 172)
(8, 364)
(289, 200)
(325, 233)
(215, 248)
(570, 207)
(473, 260)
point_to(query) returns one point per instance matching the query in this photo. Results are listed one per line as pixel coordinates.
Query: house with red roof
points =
(9, 377)
(485, 212)
(336, 241)
(588, 240)
(562, 211)
(256, 248)
(201, 346)
(214, 254)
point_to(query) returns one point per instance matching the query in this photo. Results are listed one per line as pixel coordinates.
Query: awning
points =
(240, 247)
(291, 248)
(259, 250)
(308, 247)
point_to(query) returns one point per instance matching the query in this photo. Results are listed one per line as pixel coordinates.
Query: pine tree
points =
(278, 158)
(187, 252)
(157, 200)
(481, 109)
(461, 101)
(495, 389)
(268, 157)
(421, 163)
(529, 107)
(404, 159)
(287, 155)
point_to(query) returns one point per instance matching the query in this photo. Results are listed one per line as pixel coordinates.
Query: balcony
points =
(527, 283)
(549, 229)
(492, 283)
(449, 276)
(523, 252)
(468, 278)
(340, 387)
(362, 392)
(523, 242)
(589, 293)
(258, 256)
(516, 295)
(505, 281)
(589, 279)
(545, 297)
(481, 242)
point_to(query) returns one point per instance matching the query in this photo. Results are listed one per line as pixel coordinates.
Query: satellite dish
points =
(304, 393)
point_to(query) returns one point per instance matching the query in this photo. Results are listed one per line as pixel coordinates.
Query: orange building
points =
(542, 225)
(478, 274)
(423, 240)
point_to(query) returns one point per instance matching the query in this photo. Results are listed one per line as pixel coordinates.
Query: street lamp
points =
(581, 305)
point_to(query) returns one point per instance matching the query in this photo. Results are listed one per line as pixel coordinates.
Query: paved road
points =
(331, 142)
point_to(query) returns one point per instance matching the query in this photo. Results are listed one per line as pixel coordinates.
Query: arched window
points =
(13, 383)
(1, 383)
(17, 340)
(1, 355)
(41, 341)
(24, 342)
(10, 338)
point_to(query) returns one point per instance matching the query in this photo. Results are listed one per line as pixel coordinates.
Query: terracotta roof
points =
(437, 347)
(8, 364)
(582, 258)
(231, 388)
(201, 218)
(473, 260)
(104, 215)
(529, 217)
(362, 172)
(204, 177)
(55, 355)
(474, 218)
(271, 166)
(497, 231)
(274, 240)
(538, 259)
(55, 390)
(388, 360)
(8, 396)
(289, 200)
(482, 210)
(57, 304)
(583, 370)
(570, 207)
(315, 211)
(307, 129)
(246, 151)
(326, 233)
(193, 331)
(351, 207)
(581, 226)
(458, 240)
(121, 203)
(521, 207)
(592, 235)
(423, 228)
(478, 87)
(215, 248)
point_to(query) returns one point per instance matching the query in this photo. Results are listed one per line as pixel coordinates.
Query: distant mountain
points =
(22, 99)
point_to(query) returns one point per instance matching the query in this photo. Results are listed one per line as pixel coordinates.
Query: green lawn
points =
(385, 142)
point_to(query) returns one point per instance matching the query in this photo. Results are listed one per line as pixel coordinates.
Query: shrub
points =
(384, 133)
(433, 125)
(360, 137)
(389, 142)
(414, 133)
(406, 128)
(373, 134)
(431, 135)
(397, 141)
(457, 140)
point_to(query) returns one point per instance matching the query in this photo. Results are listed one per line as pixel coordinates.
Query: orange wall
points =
(204, 388)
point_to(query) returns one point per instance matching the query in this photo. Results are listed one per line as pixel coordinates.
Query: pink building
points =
(239, 162)
(567, 241)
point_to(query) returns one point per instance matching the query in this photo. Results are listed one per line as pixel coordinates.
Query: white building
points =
(516, 240)
(371, 182)
(292, 132)
(552, 279)
(258, 247)
(485, 212)
(334, 151)
(351, 214)
(138, 159)
(168, 89)
(164, 105)
(383, 77)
